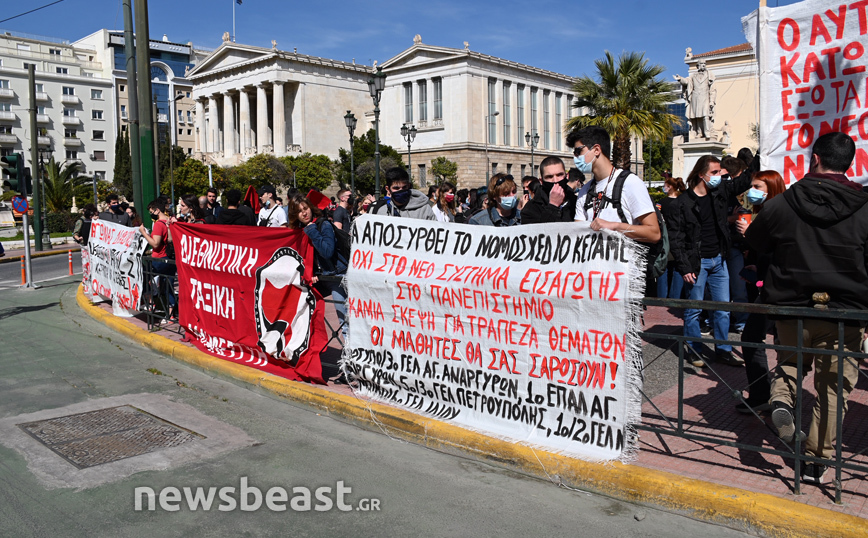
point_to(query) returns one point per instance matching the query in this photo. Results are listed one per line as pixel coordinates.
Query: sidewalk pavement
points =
(745, 490)
(15, 255)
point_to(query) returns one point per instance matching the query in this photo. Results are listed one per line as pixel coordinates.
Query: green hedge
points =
(60, 222)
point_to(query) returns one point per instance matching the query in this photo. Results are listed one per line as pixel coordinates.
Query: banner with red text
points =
(812, 63)
(112, 266)
(243, 296)
(525, 333)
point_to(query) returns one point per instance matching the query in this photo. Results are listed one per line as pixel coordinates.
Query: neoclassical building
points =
(464, 105)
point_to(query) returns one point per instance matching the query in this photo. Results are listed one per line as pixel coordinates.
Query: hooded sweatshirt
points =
(417, 207)
(817, 235)
(233, 216)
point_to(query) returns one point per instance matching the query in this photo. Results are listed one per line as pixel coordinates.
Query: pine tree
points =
(123, 177)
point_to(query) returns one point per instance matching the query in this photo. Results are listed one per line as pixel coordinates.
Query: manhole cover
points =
(107, 435)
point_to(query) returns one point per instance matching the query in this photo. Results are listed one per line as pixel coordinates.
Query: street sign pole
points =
(19, 203)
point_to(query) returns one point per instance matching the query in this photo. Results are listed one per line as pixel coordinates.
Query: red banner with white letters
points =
(245, 296)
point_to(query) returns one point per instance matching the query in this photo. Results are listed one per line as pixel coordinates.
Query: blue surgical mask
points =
(401, 197)
(508, 202)
(756, 196)
(713, 182)
(581, 165)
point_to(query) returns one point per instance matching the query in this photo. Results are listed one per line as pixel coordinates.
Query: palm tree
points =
(62, 182)
(627, 99)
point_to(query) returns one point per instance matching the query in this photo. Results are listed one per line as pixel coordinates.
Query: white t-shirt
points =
(275, 214)
(635, 200)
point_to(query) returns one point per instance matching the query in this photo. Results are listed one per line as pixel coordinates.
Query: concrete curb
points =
(17, 259)
(733, 507)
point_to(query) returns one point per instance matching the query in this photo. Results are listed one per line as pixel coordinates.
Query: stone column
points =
(228, 125)
(213, 125)
(262, 139)
(200, 126)
(279, 119)
(244, 120)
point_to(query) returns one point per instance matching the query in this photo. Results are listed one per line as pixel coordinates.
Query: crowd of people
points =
(735, 233)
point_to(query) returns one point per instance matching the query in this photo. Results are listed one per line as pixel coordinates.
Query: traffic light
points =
(14, 165)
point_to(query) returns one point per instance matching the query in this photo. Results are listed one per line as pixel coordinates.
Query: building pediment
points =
(230, 55)
(422, 55)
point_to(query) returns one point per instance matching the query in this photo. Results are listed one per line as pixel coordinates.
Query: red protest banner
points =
(244, 297)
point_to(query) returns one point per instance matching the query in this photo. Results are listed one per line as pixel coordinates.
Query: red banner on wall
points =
(244, 296)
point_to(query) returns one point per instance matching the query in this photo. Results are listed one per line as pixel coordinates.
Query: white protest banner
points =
(812, 65)
(114, 269)
(524, 333)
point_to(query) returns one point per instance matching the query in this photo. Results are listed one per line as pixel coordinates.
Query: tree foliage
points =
(658, 159)
(444, 169)
(364, 160)
(627, 98)
(123, 171)
(310, 171)
(62, 182)
(178, 158)
(191, 178)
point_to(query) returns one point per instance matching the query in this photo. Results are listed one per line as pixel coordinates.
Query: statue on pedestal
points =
(698, 90)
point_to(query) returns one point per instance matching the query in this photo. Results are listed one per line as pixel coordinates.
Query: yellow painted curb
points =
(744, 510)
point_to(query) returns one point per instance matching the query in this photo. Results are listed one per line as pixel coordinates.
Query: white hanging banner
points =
(812, 63)
(113, 265)
(522, 333)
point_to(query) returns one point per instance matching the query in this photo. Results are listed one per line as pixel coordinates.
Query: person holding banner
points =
(502, 203)
(444, 208)
(81, 230)
(191, 212)
(304, 215)
(159, 239)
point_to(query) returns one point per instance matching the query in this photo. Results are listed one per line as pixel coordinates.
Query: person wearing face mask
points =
(272, 214)
(403, 200)
(816, 236)
(191, 212)
(699, 239)
(502, 204)
(160, 241)
(670, 284)
(115, 212)
(553, 199)
(445, 209)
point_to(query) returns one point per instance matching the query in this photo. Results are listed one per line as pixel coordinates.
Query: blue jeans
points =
(714, 275)
(667, 289)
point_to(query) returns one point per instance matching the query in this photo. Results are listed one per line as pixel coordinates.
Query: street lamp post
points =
(46, 236)
(532, 141)
(350, 120)
(409, 134)
(376, 84)
(294, 184)
(487, 135)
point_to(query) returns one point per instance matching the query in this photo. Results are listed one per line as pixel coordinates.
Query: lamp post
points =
(350, 120)
(532, 141)
(46, 236)
(376, 84)
(409, 134)
(294, 184)
(488, 134)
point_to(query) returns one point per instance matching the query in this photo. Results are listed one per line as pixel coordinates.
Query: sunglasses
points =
(502, 180)
(578, 150)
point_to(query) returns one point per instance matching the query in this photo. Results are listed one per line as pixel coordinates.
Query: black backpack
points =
(342, 239)
(658, 253)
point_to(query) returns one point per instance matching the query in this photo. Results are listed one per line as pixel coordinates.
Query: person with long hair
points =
(303, 215)
(670, 284)
(190, 211)
(445, 206)
(764, 186)
(502, 203)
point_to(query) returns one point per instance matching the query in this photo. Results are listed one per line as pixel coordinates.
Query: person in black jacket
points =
(699, 239)
(553, 200)
(234, 212)
(817, 236)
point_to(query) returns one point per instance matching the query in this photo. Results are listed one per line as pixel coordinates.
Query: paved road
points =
(44, 269)
(53, 356)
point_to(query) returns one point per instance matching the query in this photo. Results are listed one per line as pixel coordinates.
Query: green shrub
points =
(60, 222)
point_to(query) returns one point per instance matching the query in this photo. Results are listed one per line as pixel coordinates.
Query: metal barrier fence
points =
(162, 315)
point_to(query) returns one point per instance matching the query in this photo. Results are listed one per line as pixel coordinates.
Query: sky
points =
(565, 37)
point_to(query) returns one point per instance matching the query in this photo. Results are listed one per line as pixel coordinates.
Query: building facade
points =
(75, 119)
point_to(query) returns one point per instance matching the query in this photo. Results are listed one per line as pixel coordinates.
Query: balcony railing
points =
(71, 120)
(43, 140)
(71, 141)
(41, 96)
(7, 92)
(8, 139)
(42, 118)
(7, 115)
(70, 99)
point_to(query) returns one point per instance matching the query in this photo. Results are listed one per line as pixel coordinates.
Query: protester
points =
(816, 234)
(670, 284)
(553, 200)
(271, 214)
(445, 208)
(341, 216)
(764, 186)
(304, 215)
(115, 212)
(502, 204)
(81, 230)
(235, 213)
(735, 257)
(432, 195)
(191, 212)
(700, 236)
(160, 239)
(403, 201)
(134, 216)
(575, 180)
(212, 206)
(526, 191)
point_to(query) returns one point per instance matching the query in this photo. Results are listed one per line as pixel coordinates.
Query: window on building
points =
(23, 46)
(180, 116)
(96, 114)
(492, 108)
(423, 100)
(124, 111)
(122, 88)
(558, 121)
(99, 155)
(71, 154)
(99, 175)
(519, 116)
(523, 170)
(96, 94)
(569, 107)
(68, 90)
(123, 128)
(546, 119)
(506, 113)
(189, 117)
(493, 169)
(61, 70)
(509, 169)
(5, 107)
(408, 102)
(99, 135)
(40, 88)
(69, 112)
(70, 133)
(534, 95)
(5, 129)
(40, 110)
(189, 132)
(28, 64)
(4, 84)
(55, 52)
(187, 94)
(423, 179)
(438, 98)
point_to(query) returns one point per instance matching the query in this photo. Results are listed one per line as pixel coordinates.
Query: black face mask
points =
(155, 216)
(116, 209)
(547, 187)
